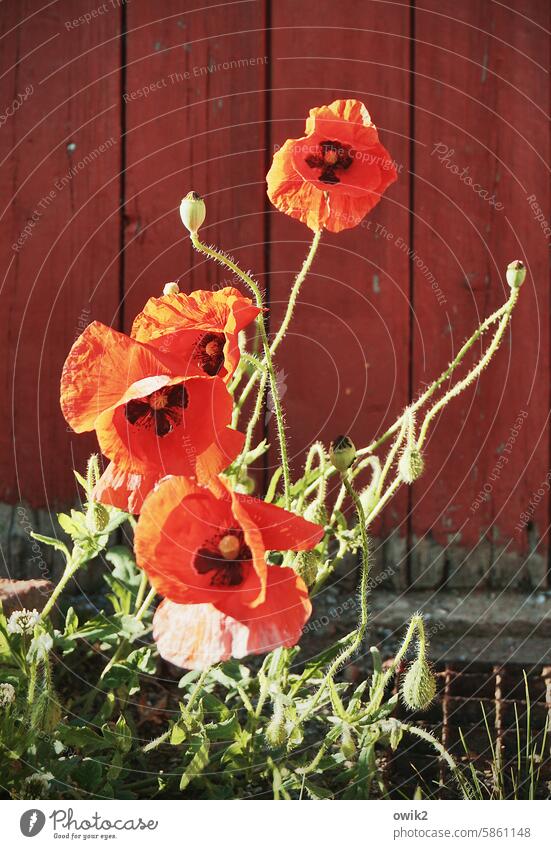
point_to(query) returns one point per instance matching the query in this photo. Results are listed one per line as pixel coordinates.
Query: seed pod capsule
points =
(516, 274)
(342, 453)
(193, 211)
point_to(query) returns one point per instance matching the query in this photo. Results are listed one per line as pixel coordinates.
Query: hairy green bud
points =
(348, 744)
(306, 565)
(411, 464)
(276, 730)
(419, 686)
(316, 512)
(171, 289)
(342, 453)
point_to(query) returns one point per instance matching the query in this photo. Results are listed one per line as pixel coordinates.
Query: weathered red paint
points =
(203, 97)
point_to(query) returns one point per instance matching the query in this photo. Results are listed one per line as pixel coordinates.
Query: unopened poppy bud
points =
(171, 288)
(276, 730)
(93, 473)
(46, 711)
(316, 512)
(348, 746)
(419, 687)
(516, 274)
(306, 566)
(342, 453)
(193, 211)
(411, 464)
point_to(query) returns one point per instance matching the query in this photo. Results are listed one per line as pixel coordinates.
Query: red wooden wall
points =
(116, 118)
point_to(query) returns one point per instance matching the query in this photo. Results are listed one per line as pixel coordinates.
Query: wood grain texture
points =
(195, 119)
(481, 112)
(59, 210)
(345, 359)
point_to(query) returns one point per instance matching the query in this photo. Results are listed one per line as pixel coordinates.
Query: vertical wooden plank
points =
(481, 104)
(195, 110)
(344, 363)
(59, 198)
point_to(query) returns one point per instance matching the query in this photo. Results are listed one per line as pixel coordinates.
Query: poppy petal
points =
(176, 521)
(125, 490)
(280, 529)
(195, 636)
(101, 365)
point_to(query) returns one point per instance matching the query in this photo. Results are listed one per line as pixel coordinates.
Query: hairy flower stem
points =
(70, 570)
(504, 313)
(475, 372)
(299, 280)
(416, 626)
(247, 279)
(358, 635)
(436, 744)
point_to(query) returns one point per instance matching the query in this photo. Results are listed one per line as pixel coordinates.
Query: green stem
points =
(253, 420)
(486, 324)
(475, 372)
(141, 592)
(198, 687)
(124, 644)
(228, 263)
(416, 625)
(359, 634)
(436, 744)
(70, 569)
(146, 604)
(299, 280)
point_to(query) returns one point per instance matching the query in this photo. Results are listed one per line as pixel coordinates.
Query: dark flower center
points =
(334, 156)
(163, 409)
(209, 352)
(223, 555)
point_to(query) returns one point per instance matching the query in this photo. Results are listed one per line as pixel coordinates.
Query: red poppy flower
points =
(201, 328)
(204, 549)
(151, 418)
(335, 174)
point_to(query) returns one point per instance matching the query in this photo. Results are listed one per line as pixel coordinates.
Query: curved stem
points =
(253, 286)
(416, 405)
(486, 324)
(436, 744)
(299, 280)
(475, 372)
(70, 569)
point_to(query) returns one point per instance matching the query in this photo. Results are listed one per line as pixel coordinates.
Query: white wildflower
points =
(7, 695)
(23, 621)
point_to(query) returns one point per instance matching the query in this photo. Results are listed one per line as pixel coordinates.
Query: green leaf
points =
(198, 763)
(178, 734)
(82, 737)
(88, 774)
(225, 729)
(51, 541)
(71, 622)
(316, 792)
(118, 735)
